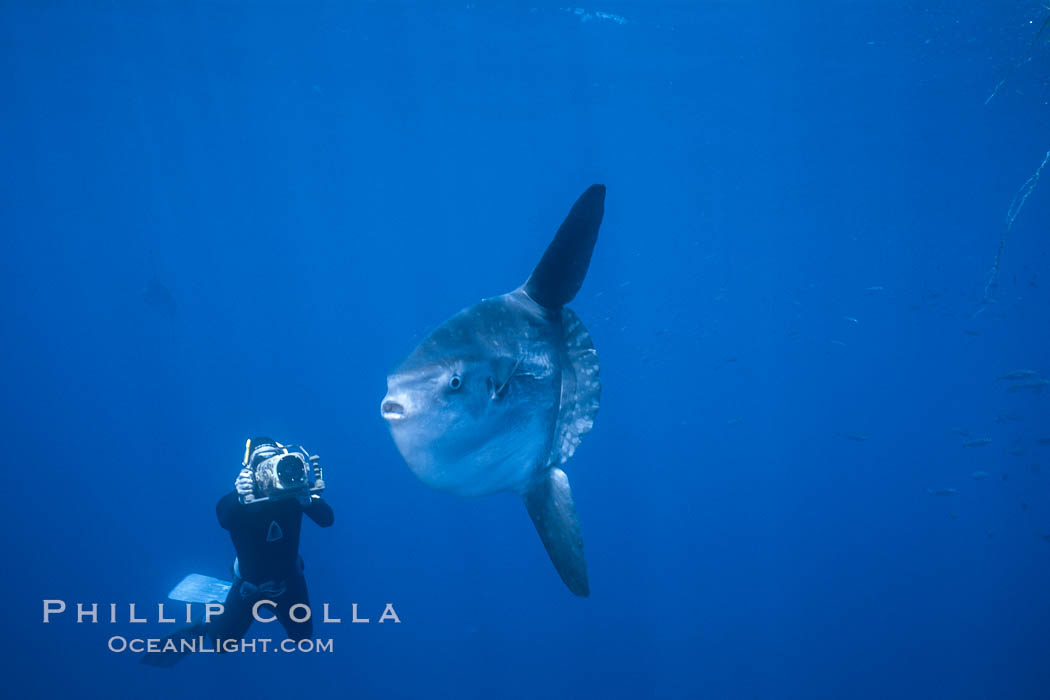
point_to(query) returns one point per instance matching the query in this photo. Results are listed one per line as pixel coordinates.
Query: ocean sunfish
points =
(499, 396)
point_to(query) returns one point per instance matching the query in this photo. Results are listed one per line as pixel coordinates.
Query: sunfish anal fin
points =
(549, 502)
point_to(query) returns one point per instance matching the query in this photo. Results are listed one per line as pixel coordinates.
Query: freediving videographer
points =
(263, 514)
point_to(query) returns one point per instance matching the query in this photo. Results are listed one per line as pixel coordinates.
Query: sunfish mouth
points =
(392, 410)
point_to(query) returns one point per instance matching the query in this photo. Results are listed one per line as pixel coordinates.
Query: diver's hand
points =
(243, 485)
(315, 462)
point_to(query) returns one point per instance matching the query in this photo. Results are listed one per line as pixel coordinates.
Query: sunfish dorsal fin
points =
(560, 272)
(549, 502)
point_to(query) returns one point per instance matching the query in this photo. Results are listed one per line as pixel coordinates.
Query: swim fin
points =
(197, 588)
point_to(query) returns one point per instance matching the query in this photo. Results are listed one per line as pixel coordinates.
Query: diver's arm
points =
(230, 506)
(320, 512)
(229, 509)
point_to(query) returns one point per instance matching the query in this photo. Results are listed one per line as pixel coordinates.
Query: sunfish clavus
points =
(498, 397)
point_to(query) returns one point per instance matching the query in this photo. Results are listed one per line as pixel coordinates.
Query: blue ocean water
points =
(227, 219)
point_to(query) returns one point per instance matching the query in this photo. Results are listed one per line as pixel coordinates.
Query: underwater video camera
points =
(280, 471)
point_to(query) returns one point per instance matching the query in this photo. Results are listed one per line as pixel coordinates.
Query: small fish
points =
(1017, 374)
(971, 331)
(1035, 468)
(1006, 477)
(1009, 416)
(979, 475)
(1028, 384)
(159, 298)
(851, 320)
(734, 421)
(1044, 441)
(946, 491)
(157, 295)
(1016, 451)
(977, 442)
(838, 342)
(875, 289)
(963, 432)
(1024, 506)
(954, 516)
(856, 437)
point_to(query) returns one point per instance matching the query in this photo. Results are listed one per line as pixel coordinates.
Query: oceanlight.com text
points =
(205, 645)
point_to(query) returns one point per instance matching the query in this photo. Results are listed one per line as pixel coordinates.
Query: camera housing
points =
(280, 472)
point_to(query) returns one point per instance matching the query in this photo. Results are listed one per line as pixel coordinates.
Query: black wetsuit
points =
(266, 537)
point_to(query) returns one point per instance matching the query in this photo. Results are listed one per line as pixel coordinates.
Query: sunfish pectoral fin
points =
(502, 380)
(549, 502)
(560, 272)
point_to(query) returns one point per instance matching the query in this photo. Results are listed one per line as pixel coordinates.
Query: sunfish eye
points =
(455, 382)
